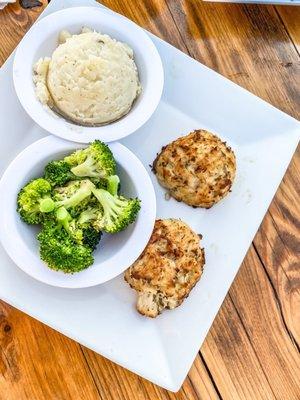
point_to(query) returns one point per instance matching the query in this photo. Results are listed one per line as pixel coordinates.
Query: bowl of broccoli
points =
(75, 216)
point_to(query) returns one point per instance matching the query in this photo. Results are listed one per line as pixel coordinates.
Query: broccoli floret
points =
(91, 237)
(118, 212)
(60, 251)
(58, 173)
(113, 183)
(100, 183)
(96, 161)
(90, 214)
(88, 202)
(74, 194)
(34, 199)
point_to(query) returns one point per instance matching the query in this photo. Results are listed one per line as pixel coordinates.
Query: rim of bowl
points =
(59, 126)
(20, 253)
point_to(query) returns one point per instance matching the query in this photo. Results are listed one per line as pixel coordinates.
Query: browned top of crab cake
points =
(197, 169)
(168, 268)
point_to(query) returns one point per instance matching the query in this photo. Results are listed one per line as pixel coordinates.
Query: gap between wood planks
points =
(277, 10)
(249, 339)
(210, 375)
(84, 356)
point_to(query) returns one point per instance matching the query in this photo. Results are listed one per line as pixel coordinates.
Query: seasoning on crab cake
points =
(168, 269)
(198, 169)
(91, 78)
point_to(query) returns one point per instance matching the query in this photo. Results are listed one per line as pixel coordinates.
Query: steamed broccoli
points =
(118, 212)
(75, 201)
(96, 161)
(59, 250)
(58, 172)
(74, 194)
(34, 199)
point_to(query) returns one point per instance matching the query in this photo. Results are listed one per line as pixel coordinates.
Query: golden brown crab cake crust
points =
(168, 269)
(197, 169)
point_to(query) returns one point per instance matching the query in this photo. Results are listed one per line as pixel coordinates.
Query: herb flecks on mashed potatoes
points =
(90, 79)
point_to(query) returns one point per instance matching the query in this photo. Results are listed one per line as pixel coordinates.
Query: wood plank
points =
(38, 363)
(248, 362)
(245, 43)
(14, 23)
(257, 306)
(278, 245)
(152, 15)
(198, 385)
(277, 240)
(229, 354)
(290, 17)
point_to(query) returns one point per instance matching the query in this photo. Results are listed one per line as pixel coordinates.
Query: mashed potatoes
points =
(90, 79)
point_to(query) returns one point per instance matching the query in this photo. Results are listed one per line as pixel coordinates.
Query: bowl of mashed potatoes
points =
(86, 73)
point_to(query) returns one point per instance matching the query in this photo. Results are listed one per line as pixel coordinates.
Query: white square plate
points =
(103, 318)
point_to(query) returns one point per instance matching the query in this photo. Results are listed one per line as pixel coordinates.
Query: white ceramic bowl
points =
(114, 254)
(42, 39)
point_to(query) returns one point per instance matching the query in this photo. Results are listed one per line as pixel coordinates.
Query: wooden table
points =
(252, 349)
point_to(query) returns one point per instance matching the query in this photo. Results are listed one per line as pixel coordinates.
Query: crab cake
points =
(169, 267)
(197, 169)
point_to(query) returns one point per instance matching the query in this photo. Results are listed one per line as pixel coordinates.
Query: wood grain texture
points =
(233, 363)
(14, 23)
(252, 349)
(290, 17)
(197, 386)
(38, 363)
(278, 356)
(246, 43)
(278, 246)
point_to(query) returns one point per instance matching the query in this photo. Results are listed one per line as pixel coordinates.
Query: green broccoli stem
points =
(113, 184)
(111, 204)
(63, 217)
(87, 216)
(68, 223)
(78, 197)
(46, 205)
